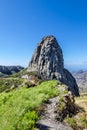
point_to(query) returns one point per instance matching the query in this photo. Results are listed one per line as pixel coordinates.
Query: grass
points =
(23, 72)
(82, 97)
(79, 121)
(3, 75)
(82, 114)
(19, 73)
(18, 108)
(83, 121)
(7, 83)
(72, 121)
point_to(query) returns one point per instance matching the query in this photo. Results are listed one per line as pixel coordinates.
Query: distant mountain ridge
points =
(8, 70)
(81, 78)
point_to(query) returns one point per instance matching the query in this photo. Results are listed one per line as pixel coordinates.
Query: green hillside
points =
(6, 84)
(18, 108)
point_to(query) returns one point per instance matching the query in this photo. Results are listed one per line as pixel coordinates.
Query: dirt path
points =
(48, 121)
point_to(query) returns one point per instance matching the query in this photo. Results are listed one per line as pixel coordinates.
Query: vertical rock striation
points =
(48, 61)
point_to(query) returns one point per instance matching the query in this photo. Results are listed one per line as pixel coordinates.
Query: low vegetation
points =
(72, 122)
(18, 74)
(23, 72)
(14, 81)
(18, 109)
(7, 83)
(21, 103)
(65, 106)
(79, 121)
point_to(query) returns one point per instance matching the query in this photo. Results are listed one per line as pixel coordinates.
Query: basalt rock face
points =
(48, 61)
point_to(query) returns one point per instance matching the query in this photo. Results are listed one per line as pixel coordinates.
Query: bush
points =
(18, 109)
(27, 122)
(83, 121)
(72, 121)
(7, 83)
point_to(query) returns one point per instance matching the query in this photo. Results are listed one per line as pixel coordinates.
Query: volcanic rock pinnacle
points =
(48, 61)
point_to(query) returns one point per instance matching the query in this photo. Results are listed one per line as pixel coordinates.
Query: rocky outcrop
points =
(50, 121)
(48, 61)
(65, 106)
(8, 70)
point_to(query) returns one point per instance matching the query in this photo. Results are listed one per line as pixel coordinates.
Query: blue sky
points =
(23, 23)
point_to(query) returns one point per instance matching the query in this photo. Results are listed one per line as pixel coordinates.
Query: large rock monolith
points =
(48, 62)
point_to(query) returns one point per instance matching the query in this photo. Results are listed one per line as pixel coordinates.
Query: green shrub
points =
(27, 121)
(84, 121)
(7, 83)
(72, 121)
(18, 108)
(62, 107)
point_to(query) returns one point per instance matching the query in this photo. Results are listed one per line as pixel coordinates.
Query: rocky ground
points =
(48, 120)
(78, 121)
